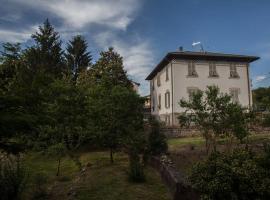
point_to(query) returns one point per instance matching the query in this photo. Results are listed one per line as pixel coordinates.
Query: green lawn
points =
(178, 143)
(101, 180)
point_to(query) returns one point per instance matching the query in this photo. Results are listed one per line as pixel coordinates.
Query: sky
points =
(143, 31)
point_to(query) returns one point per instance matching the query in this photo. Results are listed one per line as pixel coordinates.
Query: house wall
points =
(165, 86)
(180, 82)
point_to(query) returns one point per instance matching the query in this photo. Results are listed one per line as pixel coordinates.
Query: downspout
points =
(172, 91)
(249, 96)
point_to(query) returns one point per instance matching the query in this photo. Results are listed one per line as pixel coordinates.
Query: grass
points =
(185, 152)
(178, 143)
(101, 180)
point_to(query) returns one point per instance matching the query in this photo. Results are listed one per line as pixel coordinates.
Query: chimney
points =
(181, 49)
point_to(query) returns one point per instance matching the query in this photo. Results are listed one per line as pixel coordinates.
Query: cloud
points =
(80, 13)
(14, 36)
(259, 78)
(104, 23)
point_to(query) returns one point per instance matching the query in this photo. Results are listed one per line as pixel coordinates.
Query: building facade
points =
(182, 73)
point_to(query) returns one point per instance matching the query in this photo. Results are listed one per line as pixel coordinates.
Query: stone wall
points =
(176, 132)
(174, 180)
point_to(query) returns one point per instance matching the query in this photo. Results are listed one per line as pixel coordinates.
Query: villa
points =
(181, 73)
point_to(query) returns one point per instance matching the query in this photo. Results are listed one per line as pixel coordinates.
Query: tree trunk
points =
(111, 154)
(58, 167)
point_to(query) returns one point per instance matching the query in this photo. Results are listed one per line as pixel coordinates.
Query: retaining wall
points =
(174, 180)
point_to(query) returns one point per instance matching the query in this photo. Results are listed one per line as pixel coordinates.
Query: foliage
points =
(78, 59)
(13, 178)
(43, 108)
(157, 141)
(58, 151)
(261, 99)
(136, 172)
(46, 55)
(236, 175)
(266, 120)
(109, 70)
(118, 116)
(216, 116)
(40, 181)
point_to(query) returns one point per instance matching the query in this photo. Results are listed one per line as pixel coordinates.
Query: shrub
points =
(236, 175)
(157, 141)
(13, 178)
(40, 180)
(136, 168)
(266, 121)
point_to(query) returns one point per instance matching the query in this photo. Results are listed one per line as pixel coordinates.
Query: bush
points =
(236, 175)
(157, 141)
(266, 121)
(40, 181)
(136, 172)
(13, 178)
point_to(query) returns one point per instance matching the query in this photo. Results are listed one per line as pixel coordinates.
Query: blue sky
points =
(143, 31)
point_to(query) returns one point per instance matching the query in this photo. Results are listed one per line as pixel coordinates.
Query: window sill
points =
(192, 76)
(236, 77)
(213, 76)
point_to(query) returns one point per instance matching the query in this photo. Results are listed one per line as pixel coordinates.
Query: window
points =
(167, 73)
(159, 101)
(191, 91)
(234, 92)
(233, 71)
(153, 104)
(153, 84)
(191, 69)
(158, 80)
(167, 99)
(212, 70)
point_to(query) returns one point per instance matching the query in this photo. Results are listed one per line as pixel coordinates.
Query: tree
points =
(109, 70)
(215, 115)
(117, 115)
(261, 98)
(14, 119)
(10, 61)
(46, 55)
(157, 142)
(240, 174)
(78, 59)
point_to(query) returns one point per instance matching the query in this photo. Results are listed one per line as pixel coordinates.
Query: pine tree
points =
(46, 55)
(78, 58)
(109, 70)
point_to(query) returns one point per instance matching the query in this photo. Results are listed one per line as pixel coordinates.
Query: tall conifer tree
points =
(78, 58)
(46, 55)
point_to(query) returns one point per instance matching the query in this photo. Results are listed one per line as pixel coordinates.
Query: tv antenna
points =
(194, 44)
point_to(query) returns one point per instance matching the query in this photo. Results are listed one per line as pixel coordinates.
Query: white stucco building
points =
(181, 73)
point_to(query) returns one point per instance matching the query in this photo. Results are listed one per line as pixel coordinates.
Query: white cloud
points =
(80, 13)
(259, 78)
(79, 16)
(16, 35)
